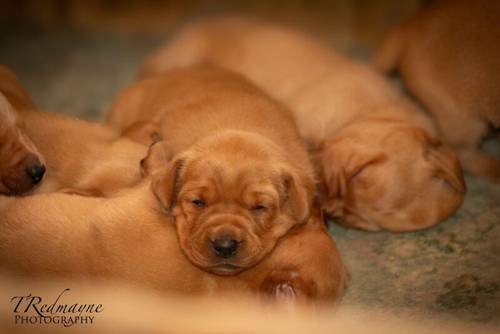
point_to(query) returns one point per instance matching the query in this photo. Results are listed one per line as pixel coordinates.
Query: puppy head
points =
(21, 166)
(389, 175)
(232, 199)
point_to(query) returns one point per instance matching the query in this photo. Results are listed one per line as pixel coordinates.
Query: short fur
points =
(129, 238)
(380, 166)
(236, 167)
(83, 157)
(449, 58)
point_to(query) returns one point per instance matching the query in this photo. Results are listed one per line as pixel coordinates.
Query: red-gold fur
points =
(449, 58)
(82, 157)
(374, 151)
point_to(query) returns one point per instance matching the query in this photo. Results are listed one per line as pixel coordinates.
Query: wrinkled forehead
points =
(231, 175)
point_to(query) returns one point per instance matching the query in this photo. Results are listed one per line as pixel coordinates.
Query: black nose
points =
(36, 173)
(225, 247)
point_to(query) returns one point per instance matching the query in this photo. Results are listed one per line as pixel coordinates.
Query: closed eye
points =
(198, 203)
(259, 208)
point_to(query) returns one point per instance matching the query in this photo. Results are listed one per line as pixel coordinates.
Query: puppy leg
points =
(466, 135)
(304, 266)
(287, 286)
(481, 164)
(464, 131)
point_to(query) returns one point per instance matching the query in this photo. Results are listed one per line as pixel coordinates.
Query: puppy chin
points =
(218, 266)
(221, 268)
(225, 269)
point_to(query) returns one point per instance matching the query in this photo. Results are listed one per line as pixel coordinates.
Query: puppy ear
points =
(445, 163)
(159, 156)
(7, 113)
(13, 90)
(340, 165)
(359, 162)
(164, 172)
(165, 184)
(299, 192)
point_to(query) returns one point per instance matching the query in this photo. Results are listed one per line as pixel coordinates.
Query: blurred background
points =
(60, 48)
(74, 56)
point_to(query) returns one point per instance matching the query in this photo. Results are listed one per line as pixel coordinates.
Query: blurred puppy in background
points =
(449, 58)
(380, 166)
(79, 156)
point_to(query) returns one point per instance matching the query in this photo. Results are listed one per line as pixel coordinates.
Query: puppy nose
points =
(36, 173)
(225, 247)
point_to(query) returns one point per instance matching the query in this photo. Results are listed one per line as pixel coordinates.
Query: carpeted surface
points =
(452, 269)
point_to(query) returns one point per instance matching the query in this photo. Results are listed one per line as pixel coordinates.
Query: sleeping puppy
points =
(79, 156)
(21, 165)
(380, 166)
(238, 176)
(449, 58)
(88, 238)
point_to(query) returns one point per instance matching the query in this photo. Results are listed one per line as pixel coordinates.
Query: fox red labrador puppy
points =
(133, 236)
(70, 154)
(238, 176)
(380, 165)
(449, 58)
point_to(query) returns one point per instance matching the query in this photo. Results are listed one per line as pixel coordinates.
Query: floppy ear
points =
(341, 163)
(159, 156)
(445, 163)
(13, 90)
(299, 196)
(164, 172)
(7, 112)
(359, 162)
(165, 184)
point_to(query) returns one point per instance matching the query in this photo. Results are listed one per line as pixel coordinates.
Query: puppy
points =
(238, 176)
(21, 165)
(79, 156)
(375, 153)
(449, 58)
(88, 238)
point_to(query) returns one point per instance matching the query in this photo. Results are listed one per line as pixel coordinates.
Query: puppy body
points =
(449, 57)
(374, 151)
(129, 238)
(237, 170)
(79, 156)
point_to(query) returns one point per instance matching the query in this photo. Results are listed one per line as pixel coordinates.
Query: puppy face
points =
(21, 166)
(231, 202)
(387, 175)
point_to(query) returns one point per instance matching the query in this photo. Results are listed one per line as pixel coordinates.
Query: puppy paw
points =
(286, 286)
(283, 293)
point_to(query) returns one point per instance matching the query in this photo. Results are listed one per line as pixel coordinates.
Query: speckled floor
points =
(452, 269)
